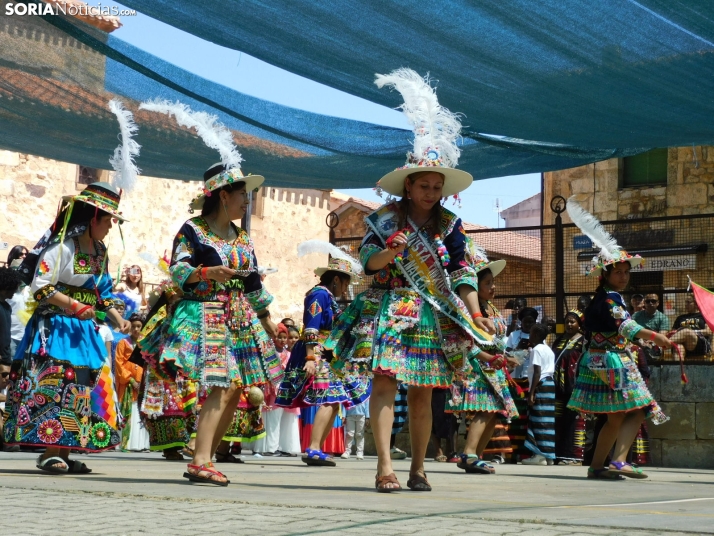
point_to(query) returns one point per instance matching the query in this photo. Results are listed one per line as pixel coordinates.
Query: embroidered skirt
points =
(393, 333)
(61, 390)
(476, 394)
(609, 382)
(201, 346)
(297, 390)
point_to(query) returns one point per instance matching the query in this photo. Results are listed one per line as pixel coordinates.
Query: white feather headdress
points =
(434, 126)
(320, 246)
(125, 170)
(589, 224)
(213, 133)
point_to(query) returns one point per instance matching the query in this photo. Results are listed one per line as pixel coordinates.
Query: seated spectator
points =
(516, 306)
(637, 303)
(651, 318)
(693, 335)
(583, 302)
(9, 283)
(16, 253)
(293, 336)
(288, 322)
(518, 340)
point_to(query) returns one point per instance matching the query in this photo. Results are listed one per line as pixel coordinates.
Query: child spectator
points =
(540, 437)
(357, 418)
(128, 377)
(293, 336)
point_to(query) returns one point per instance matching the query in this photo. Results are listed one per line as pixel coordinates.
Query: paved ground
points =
(143, 494)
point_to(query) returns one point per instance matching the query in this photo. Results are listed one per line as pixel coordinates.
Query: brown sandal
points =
(417, 482)
(382, 481)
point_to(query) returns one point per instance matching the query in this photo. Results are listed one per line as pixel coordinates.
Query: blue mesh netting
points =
(582, 80)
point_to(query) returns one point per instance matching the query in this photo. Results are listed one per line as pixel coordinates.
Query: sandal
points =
(418, 482)
(189, 453)
(603, 474)
(227, 458)
(634, 472)
(173, 456)
(380, 482)
(51, 465)
(212, 477)
(318, 458)
(440, 458)
(76, 467)
(471, 463)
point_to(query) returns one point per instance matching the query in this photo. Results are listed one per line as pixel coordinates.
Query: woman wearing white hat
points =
(482, 394)
(51, 403)
(220, 332)
(421, 315)
(608, 380)
(308, 378)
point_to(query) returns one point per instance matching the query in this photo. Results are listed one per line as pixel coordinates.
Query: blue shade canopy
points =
(543, 85)
(610, 73)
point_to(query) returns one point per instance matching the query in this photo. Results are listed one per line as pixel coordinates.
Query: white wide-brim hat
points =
(217, 177)
(496, 267)
(455, 180)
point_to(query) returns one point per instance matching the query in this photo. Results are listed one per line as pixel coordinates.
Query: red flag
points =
(705, 301)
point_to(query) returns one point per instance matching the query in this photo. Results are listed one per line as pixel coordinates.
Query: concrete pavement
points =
(143, 494)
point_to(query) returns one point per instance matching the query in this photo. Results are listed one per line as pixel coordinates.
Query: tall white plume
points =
(589, 224)
(320, 246)
(125, 170)
(434, 126)
(213, 133)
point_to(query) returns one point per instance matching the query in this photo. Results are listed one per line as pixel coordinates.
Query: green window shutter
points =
(645, 169)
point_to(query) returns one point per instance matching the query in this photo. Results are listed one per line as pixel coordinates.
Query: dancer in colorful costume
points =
(421, 315)
(219, 334)
(308, 378)
(61, 394)
(483, 394)
(608, 380)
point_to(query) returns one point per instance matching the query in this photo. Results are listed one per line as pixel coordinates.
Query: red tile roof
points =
(106, 23)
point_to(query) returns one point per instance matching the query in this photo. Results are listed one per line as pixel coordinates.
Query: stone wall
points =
(687, 439)
(351, 224)
(31, 187)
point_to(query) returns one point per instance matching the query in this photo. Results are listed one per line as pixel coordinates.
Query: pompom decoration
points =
(442, 251)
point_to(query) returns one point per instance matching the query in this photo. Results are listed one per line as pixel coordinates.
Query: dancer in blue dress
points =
(308, 379)
(50, 401)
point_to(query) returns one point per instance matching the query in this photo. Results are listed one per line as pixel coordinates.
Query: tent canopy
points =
(543, 86)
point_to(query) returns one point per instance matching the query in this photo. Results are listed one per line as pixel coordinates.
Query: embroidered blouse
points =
(64, 268)
(454, 239)
(320, 310)
(197, 245)
(608, 326)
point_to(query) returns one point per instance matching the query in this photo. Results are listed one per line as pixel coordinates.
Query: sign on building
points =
(668, 263)
(582, 242)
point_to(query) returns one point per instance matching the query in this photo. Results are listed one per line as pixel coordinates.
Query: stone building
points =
(669, 184)
(675, 185)
(31, 187)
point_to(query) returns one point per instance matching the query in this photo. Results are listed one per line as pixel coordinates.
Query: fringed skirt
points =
(609, 382)
(540, 436)
(476, 395)
(395, 333)
(298, 390)
(201, 346)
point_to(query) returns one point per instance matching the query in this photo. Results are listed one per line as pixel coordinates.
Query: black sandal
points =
(417, 482)
(227, 458)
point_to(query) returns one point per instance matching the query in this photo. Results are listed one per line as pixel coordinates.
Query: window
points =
(87, 175)
(646, 169)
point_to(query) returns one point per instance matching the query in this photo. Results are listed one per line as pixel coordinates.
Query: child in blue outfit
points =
(357, 418)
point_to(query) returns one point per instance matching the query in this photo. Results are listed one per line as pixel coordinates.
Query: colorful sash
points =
(423, 270)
